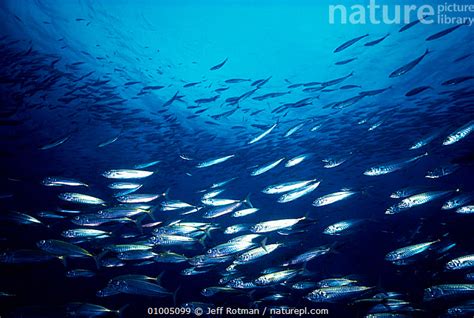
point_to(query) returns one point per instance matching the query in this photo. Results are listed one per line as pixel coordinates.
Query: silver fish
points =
(309, 255)
(341, 227)
(294, 129)
(335, 282)
(146, 165)
(244, 212)
(391, 167)
(463, 262)
(295, 160)
(236, 228)
(276, 277)
(441, 171)
(409, 251)
(424, 141)
(405, 192)
(298, 193)
(61, 248)
(259, 137)
(266, 167)
(333, 163)
(226, 209)
(331, 294)
(138, 198)
(169, 240)
(274, 225)
(230, 248)
(171, 205)
(77, 233)
(457, 201)
(108, 142)
(286, 187)
(124, 186)
(416, 200)
(459, 134)
(213, 162)
(448, 291)
(126, 174)
(468, 209)
(80, 198)
(212, 194)
(333, 197)
(60, 181)
(55, 143)
(254, 254)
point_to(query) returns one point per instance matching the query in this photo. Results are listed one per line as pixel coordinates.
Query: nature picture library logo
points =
(375, 13)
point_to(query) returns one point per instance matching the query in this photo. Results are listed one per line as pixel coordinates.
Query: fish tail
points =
(98, 257)
(307, 218)
(158, 278)
(175, 294)
(247, 201)
(202, 241)
(63, 260)
(207, 233)
(151, 213)
(165, 194)
(138, 223)
(305, 271)
(121, 310)
(263, 244)
(251, 294)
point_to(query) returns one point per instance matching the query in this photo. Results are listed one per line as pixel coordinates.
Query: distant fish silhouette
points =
(443, 33)
(406, 68)
(218, 66)
(349, 43)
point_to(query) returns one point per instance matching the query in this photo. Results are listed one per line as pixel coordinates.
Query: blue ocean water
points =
(90, 86)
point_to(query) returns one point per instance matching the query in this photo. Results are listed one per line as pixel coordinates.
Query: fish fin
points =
(150, 213)
(202, 241)
(263, 243)
(63, 260)
(165, 194)
(121, 310)
(138, 223)
(175, 294)
(305, 271)
(251, 293)
(158, 278)
(307, 218)
(335, 247)
(207, 233)
(98, 257)
(247, 201)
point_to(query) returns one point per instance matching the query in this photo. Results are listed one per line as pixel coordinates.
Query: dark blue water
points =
(89, 71)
